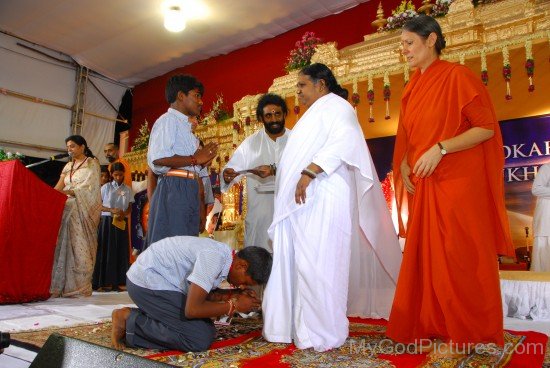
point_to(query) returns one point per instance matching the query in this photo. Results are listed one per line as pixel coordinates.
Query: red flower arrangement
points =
(370, 97)
(485, 77)
(507, 74)
(387, 95)
(296, 109)
(247, 121)
(304, 49)
(530, 69)
(506, 71)
(237, 126)
(355, 99)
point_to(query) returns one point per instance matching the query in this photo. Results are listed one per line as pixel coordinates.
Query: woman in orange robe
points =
(449, 159)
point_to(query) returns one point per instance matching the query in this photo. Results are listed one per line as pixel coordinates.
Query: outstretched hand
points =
(229, 174)
(263, 171)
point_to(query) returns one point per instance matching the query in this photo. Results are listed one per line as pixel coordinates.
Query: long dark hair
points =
(318, 71)
(78, 139)
(423, 26)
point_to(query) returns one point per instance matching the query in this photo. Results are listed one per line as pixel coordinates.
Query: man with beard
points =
(259, 155)
(111, 154)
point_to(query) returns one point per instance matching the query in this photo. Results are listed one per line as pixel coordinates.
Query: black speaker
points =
(64, 352)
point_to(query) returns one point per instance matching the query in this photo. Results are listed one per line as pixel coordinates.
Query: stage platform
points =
(526, 295)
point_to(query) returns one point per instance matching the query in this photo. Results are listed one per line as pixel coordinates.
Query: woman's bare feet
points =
(118, 329)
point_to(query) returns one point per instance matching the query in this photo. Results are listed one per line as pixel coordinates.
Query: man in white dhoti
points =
(541, 220)
(331, 229)
(259, 154)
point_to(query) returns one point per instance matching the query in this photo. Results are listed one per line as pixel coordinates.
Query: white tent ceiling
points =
(126, 41)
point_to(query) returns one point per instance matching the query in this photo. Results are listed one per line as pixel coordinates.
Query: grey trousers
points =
(174, 209)
(159, 322)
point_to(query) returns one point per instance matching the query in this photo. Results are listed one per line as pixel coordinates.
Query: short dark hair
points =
(78, 139)
(104, 168)
(423, 26)
(117, 166)
(318, 71)
(113, 144)
(270, 99)
(184, 83)
(259, 263)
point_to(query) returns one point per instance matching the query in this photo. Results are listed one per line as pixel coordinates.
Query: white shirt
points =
(172, 263)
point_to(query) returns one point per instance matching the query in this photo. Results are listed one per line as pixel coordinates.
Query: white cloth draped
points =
(345, 217)
(258, 149)
(526, 299)
(541, 220)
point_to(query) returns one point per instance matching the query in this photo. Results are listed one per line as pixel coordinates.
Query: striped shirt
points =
(171, 135)
(172, 263)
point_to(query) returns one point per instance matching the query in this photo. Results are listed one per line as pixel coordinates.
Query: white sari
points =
(76, 248)
(341, 239)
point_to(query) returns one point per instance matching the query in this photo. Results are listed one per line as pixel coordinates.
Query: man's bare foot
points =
(118, 329)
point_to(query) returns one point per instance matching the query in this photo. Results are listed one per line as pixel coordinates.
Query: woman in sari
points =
(449, 159)
(76, 248)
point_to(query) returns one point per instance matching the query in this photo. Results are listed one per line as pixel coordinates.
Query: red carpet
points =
(366, 347)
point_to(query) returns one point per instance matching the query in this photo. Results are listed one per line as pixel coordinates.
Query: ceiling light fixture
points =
(174, 19)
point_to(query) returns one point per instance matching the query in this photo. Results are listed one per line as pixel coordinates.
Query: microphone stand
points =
(38, 163)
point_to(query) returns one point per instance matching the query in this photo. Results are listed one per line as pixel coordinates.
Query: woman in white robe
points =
(329, 209)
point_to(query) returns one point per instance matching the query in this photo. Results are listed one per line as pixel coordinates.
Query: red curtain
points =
(251, 70)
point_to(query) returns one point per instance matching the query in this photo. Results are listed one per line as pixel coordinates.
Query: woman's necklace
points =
(78, 167)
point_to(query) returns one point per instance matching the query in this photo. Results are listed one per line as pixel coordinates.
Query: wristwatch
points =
(443, 150)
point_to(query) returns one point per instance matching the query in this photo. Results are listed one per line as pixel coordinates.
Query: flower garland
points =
(355, 98)
(8, 156)
(387, 94)
(370, 97)
(529, 64)
(304, 49)
(218, 111)
(441, 8)
(506, 71)
(142, 140)
(484, 73)
(400, 16)
(296, 106)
